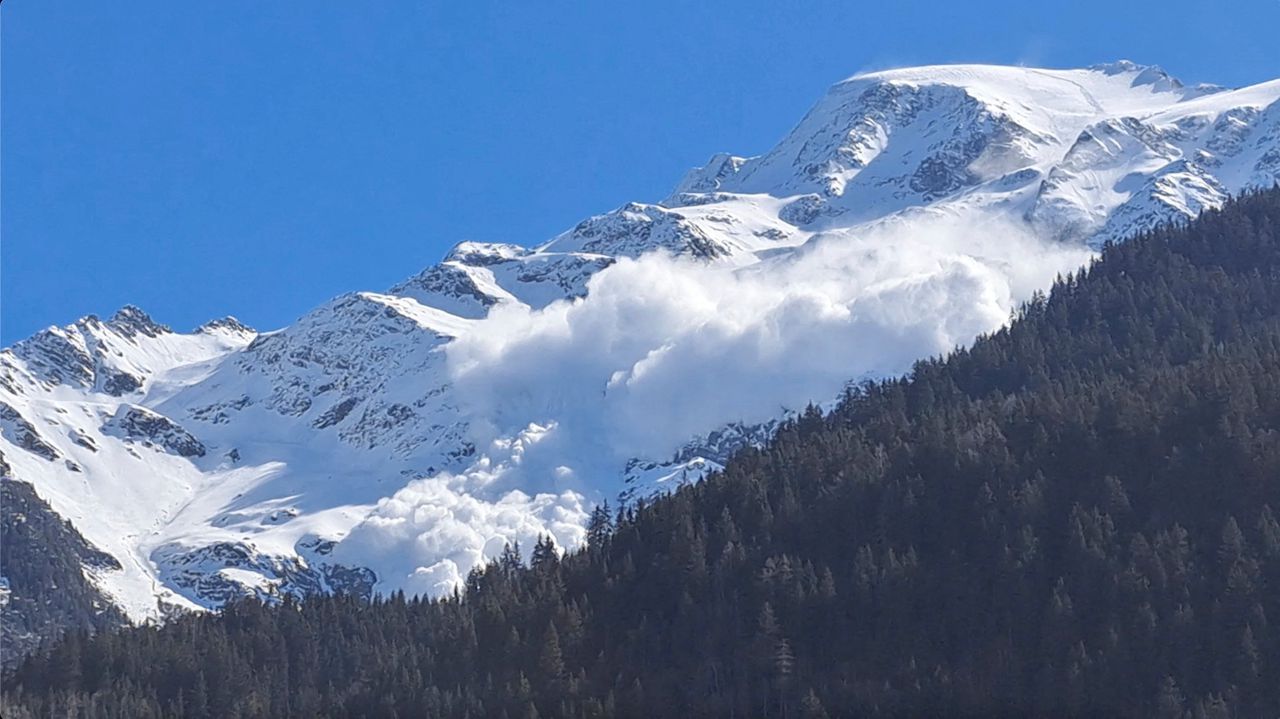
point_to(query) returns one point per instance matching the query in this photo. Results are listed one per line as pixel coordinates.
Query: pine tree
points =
(1269, 530)
(1170, 702)
(544, 557)
(1151, 374)
(510, 560)
(811, 707)
(550, 659)
(599, 526)
(1232, 547)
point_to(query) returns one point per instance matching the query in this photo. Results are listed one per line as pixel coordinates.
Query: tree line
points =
(1077, 516)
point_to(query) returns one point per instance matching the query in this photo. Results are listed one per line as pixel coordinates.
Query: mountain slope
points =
(1075, 517)
(43, 561)
(395, 440)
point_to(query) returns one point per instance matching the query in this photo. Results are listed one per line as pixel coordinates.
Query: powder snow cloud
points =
(662, 350)
(428, 535)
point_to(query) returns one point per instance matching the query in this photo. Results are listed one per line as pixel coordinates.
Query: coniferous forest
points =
(1075, 517)
(44, 559)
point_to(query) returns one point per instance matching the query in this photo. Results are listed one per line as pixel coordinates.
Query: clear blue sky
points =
(256, 158)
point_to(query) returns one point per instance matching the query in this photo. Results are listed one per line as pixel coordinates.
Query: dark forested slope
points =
(42, 564)
(1077, 516)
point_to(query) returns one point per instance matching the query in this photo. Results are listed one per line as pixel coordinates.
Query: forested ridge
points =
(1075, 517)
(42, 562)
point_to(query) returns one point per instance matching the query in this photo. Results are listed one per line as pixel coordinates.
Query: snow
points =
(500, 394)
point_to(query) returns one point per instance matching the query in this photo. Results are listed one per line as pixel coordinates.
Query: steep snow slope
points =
(74, 423)
(397, 439)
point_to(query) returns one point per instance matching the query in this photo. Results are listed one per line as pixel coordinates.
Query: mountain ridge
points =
(1073, 516)
(228, 461)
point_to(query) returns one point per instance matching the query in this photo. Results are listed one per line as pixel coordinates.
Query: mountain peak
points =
(471, 252)
(889, 197)
(969, 73)
(226, 324)
(1143, 75)
(1120, 67)
(896, 138)
(130, 320)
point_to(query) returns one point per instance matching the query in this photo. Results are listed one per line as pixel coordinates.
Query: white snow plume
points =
(661, 350)
(428, 535)
(782, 296)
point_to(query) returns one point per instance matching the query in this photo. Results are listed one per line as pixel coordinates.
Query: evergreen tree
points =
(599, 526)
(1072, 517)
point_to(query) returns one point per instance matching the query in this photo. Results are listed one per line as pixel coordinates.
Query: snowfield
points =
(394, 440)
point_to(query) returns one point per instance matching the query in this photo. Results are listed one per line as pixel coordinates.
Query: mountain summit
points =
(396, 439)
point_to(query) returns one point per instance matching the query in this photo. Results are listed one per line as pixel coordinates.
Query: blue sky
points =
(201, 159)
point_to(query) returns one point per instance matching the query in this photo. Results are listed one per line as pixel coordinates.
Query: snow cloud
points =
(427, 536)
(662, 350)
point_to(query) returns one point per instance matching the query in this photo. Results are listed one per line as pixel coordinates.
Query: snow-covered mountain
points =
(393, 440)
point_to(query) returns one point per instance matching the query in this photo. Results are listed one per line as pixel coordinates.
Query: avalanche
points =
(393, 440)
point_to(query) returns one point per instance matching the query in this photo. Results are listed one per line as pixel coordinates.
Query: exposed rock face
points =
(803, 210)
(131, 322)
(118, 384)
(336, 413)
(226, 571)
(635, 229)
(693, 461)
(226, 325)
(138, 424)
(20, 432)
(465, 291)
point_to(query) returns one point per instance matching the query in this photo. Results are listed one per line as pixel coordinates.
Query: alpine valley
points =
(397, 439)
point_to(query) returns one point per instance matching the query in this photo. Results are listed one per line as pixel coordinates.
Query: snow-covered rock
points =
(394, 439)
(139, 424)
